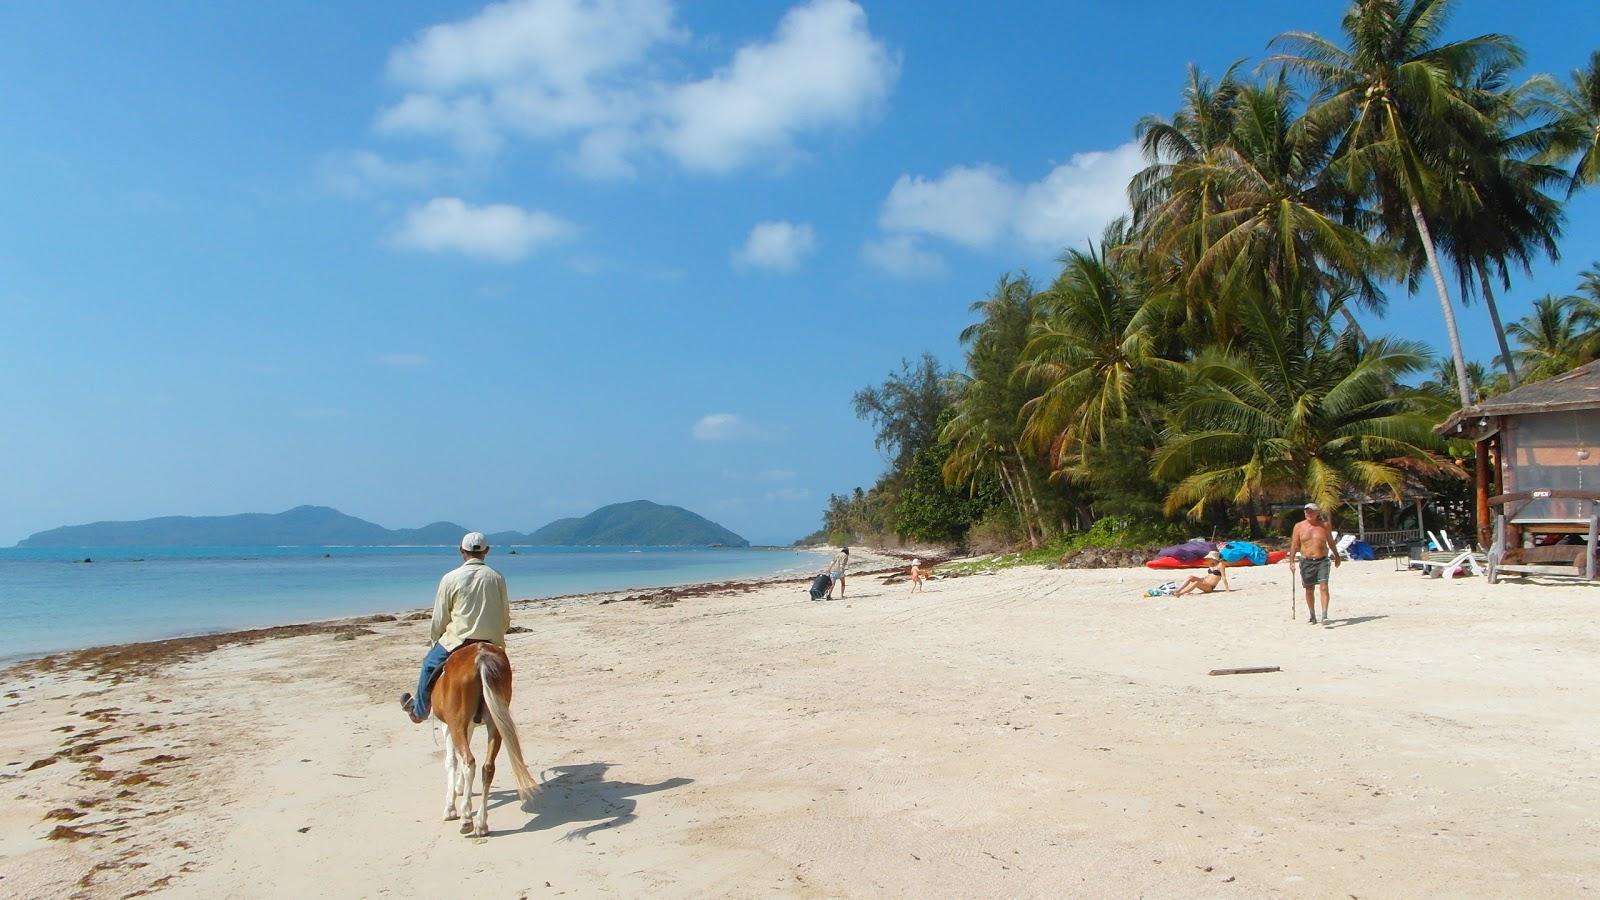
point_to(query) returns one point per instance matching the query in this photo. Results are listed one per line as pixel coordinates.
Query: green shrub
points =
(996, 532)
(1124, 533)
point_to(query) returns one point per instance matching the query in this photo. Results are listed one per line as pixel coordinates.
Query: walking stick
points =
(1293, 616)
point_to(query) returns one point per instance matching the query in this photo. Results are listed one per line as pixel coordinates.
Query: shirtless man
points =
(1314, 542)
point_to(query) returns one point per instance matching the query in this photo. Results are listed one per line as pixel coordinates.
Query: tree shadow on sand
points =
(580, 793)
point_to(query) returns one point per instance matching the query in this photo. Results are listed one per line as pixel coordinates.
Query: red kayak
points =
(1167, 562)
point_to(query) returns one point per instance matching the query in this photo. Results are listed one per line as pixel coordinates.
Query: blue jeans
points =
(420, 703)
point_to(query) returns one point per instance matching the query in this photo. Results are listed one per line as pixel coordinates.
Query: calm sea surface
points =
(52, 600)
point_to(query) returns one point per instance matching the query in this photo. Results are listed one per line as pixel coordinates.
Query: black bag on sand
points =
(820, 586)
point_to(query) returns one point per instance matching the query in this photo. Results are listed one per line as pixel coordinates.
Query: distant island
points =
(636, 524)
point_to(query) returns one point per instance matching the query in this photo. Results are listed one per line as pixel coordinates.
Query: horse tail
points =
(494, 670)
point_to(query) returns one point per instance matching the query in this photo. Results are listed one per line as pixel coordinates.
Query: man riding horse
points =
(470, 605)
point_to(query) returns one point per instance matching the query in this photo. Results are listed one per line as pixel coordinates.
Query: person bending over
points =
(836, 572)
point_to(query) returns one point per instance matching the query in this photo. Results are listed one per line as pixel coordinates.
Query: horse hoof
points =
(482, 831)
(450, 816)
(466, 827)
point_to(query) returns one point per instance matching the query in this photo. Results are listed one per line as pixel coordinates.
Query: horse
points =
(476, 678)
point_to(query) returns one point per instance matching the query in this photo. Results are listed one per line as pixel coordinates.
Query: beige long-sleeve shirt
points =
(471, 604)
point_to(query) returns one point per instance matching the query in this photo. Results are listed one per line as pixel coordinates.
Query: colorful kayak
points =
(1167, 562)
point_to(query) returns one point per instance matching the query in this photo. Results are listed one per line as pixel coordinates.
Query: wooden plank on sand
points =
(1252, 670)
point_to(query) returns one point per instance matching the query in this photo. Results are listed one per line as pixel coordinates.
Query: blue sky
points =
(502, 264)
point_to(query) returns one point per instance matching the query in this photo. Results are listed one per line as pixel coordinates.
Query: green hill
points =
(637, 524)
(303, 526)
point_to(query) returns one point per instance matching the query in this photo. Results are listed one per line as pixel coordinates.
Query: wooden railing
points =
(1391, 538)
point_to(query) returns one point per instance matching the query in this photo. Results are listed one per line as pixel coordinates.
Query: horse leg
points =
(467, 771)
(449, 773)
(488, 779)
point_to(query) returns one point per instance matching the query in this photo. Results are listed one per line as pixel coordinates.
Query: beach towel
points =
(1187, 551)
(1163, 590)
(1234, 552)
(1360, 550)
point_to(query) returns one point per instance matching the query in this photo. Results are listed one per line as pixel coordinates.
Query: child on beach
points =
(917, 577)
(1216, 573)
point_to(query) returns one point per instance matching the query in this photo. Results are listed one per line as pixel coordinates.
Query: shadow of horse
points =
(581, 793)
(1354, 620)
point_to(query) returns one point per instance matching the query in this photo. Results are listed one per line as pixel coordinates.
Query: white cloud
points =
(403, 360)
(560, 43)
(1078, 198)
(586, 75)
(498, 232)
(980, 206)
(788, 494)
(971, 206)
(823, 68)
(776, 245)
(728, 427)
(902, 256)
(717, 427)
(362, 171)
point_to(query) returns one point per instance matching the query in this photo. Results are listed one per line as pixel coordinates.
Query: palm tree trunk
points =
(1032, 497)
(1463, 387)
(1350, 319)
(1008, 484)
(1499, 330)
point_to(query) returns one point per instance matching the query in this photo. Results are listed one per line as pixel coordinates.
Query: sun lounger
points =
(1445, 563)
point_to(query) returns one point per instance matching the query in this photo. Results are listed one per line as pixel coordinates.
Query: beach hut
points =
(1538, 470)
(1413, 495)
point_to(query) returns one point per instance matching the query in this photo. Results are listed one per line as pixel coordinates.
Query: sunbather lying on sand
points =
(1216, 574)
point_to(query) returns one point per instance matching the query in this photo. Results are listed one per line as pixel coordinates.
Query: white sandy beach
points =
(1029, 733)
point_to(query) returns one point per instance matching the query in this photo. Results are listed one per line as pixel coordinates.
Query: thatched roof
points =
(1577, 389)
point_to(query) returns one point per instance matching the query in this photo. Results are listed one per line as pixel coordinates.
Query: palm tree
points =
(1274, 220)
(1498, 213)
(1575, 123)
(1202, 126)
(1441, 383)
(1096, 347)
(1586, 310)
(984, 432)
(1551, 338)
(1297, 409)
(1394, 98)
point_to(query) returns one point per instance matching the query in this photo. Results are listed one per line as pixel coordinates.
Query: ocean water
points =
(52, 600)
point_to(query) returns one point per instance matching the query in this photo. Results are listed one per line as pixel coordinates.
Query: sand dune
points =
(1033, 732)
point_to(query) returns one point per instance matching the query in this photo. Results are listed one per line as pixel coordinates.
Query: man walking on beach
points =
(836, 572)
(1319, 556)
(470, 605)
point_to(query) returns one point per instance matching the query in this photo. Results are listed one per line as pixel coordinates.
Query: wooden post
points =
(1361, 520)
(1480, 483)
(1497, 551)
(1594, 528)
(1422, 530)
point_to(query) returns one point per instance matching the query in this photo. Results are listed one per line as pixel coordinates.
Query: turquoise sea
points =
(53, 600)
